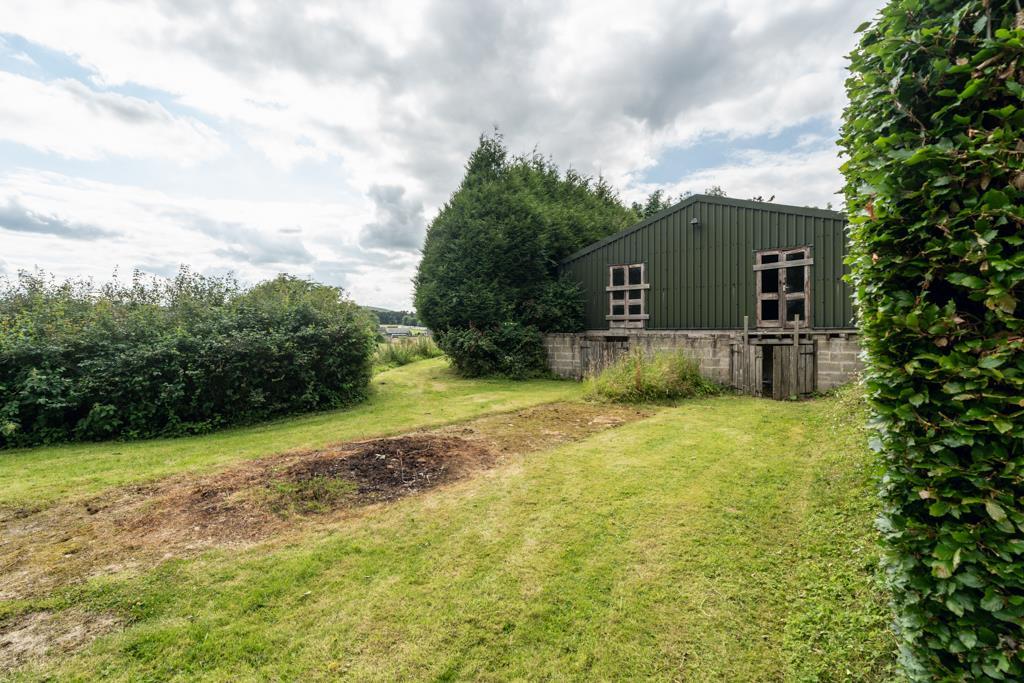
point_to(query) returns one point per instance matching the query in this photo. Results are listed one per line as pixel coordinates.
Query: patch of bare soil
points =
(37, 635)
(135, 527)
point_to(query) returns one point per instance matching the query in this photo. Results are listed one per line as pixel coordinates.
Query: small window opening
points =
(783, 280)
(794, 308)
(627, 293)
(794, 279)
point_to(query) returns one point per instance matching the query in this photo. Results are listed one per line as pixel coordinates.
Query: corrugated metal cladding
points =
(702, 277)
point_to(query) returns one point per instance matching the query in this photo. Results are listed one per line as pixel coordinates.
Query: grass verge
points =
(417, 395)
(724, 539)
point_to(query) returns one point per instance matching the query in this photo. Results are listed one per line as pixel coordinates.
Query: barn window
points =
(627, 293)
(783, 278)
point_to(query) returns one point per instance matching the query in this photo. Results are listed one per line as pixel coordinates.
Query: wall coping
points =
(628, 332)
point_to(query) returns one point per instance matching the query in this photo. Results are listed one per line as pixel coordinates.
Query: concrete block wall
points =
(567, 352)
(573, 355)
(563, 351)
(839, 361)
(711, 350)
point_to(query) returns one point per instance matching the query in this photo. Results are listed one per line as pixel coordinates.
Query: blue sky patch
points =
(718, 150)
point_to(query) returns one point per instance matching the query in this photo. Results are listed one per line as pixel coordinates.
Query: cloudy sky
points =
(319, 139)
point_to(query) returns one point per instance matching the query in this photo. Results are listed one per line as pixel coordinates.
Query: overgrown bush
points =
(404, 351)
(487, 285)
(172, 357)
(935, 190)
(639, 378)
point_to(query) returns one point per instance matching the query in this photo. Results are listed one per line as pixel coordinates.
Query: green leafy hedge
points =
(172, 357)
(935, 189)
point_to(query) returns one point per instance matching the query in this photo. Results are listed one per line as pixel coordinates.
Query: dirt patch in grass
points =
(132, 528)
(547, 426)
(37, 635)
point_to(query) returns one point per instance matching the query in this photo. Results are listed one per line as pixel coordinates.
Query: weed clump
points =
(641, 378)
(404, 351)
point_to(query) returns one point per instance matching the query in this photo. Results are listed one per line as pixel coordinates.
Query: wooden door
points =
(794, 370)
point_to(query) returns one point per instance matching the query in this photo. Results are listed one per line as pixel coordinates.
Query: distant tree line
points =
(385, 317)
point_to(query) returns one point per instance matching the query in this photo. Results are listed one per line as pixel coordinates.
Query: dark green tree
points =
(656, 201)
(487, 284)
(934, 135)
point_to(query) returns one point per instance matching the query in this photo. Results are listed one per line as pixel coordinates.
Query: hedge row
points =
(935, 188)
(165, 358)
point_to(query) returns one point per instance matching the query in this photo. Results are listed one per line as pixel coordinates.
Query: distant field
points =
(725, 539)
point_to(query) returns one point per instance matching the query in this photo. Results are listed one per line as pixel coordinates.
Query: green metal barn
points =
(753, 290)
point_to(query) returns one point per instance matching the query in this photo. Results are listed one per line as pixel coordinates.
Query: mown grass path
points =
(727, 539)
(413, 396)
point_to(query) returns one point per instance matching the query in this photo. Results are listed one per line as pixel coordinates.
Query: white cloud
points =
(68, 118)
(157, 232)
(799, 177)
(394, 95)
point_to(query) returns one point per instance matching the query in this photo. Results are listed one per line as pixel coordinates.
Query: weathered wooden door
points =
(597, 354)
(746, 368)
(794, 370)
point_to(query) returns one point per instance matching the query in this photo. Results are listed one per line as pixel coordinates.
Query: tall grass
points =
(639, 378)
(404, 351)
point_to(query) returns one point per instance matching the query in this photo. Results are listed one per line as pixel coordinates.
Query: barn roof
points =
(709, 199)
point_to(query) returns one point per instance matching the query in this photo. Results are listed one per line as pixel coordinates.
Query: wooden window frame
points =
(626, 288)
(781, 295)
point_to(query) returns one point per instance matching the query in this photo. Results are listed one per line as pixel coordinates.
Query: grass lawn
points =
(726, 539)
(417, 395)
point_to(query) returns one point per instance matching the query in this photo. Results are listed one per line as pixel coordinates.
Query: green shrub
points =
(638, 378)
(487, 284)
(509, 350)
(934, 186)
(172, 357)
(404, 351)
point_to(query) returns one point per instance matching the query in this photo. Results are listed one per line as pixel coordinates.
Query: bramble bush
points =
(186, 355)
(934, 135)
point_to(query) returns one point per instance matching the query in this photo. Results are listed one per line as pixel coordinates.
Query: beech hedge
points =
(934, 134)
(162, 358)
